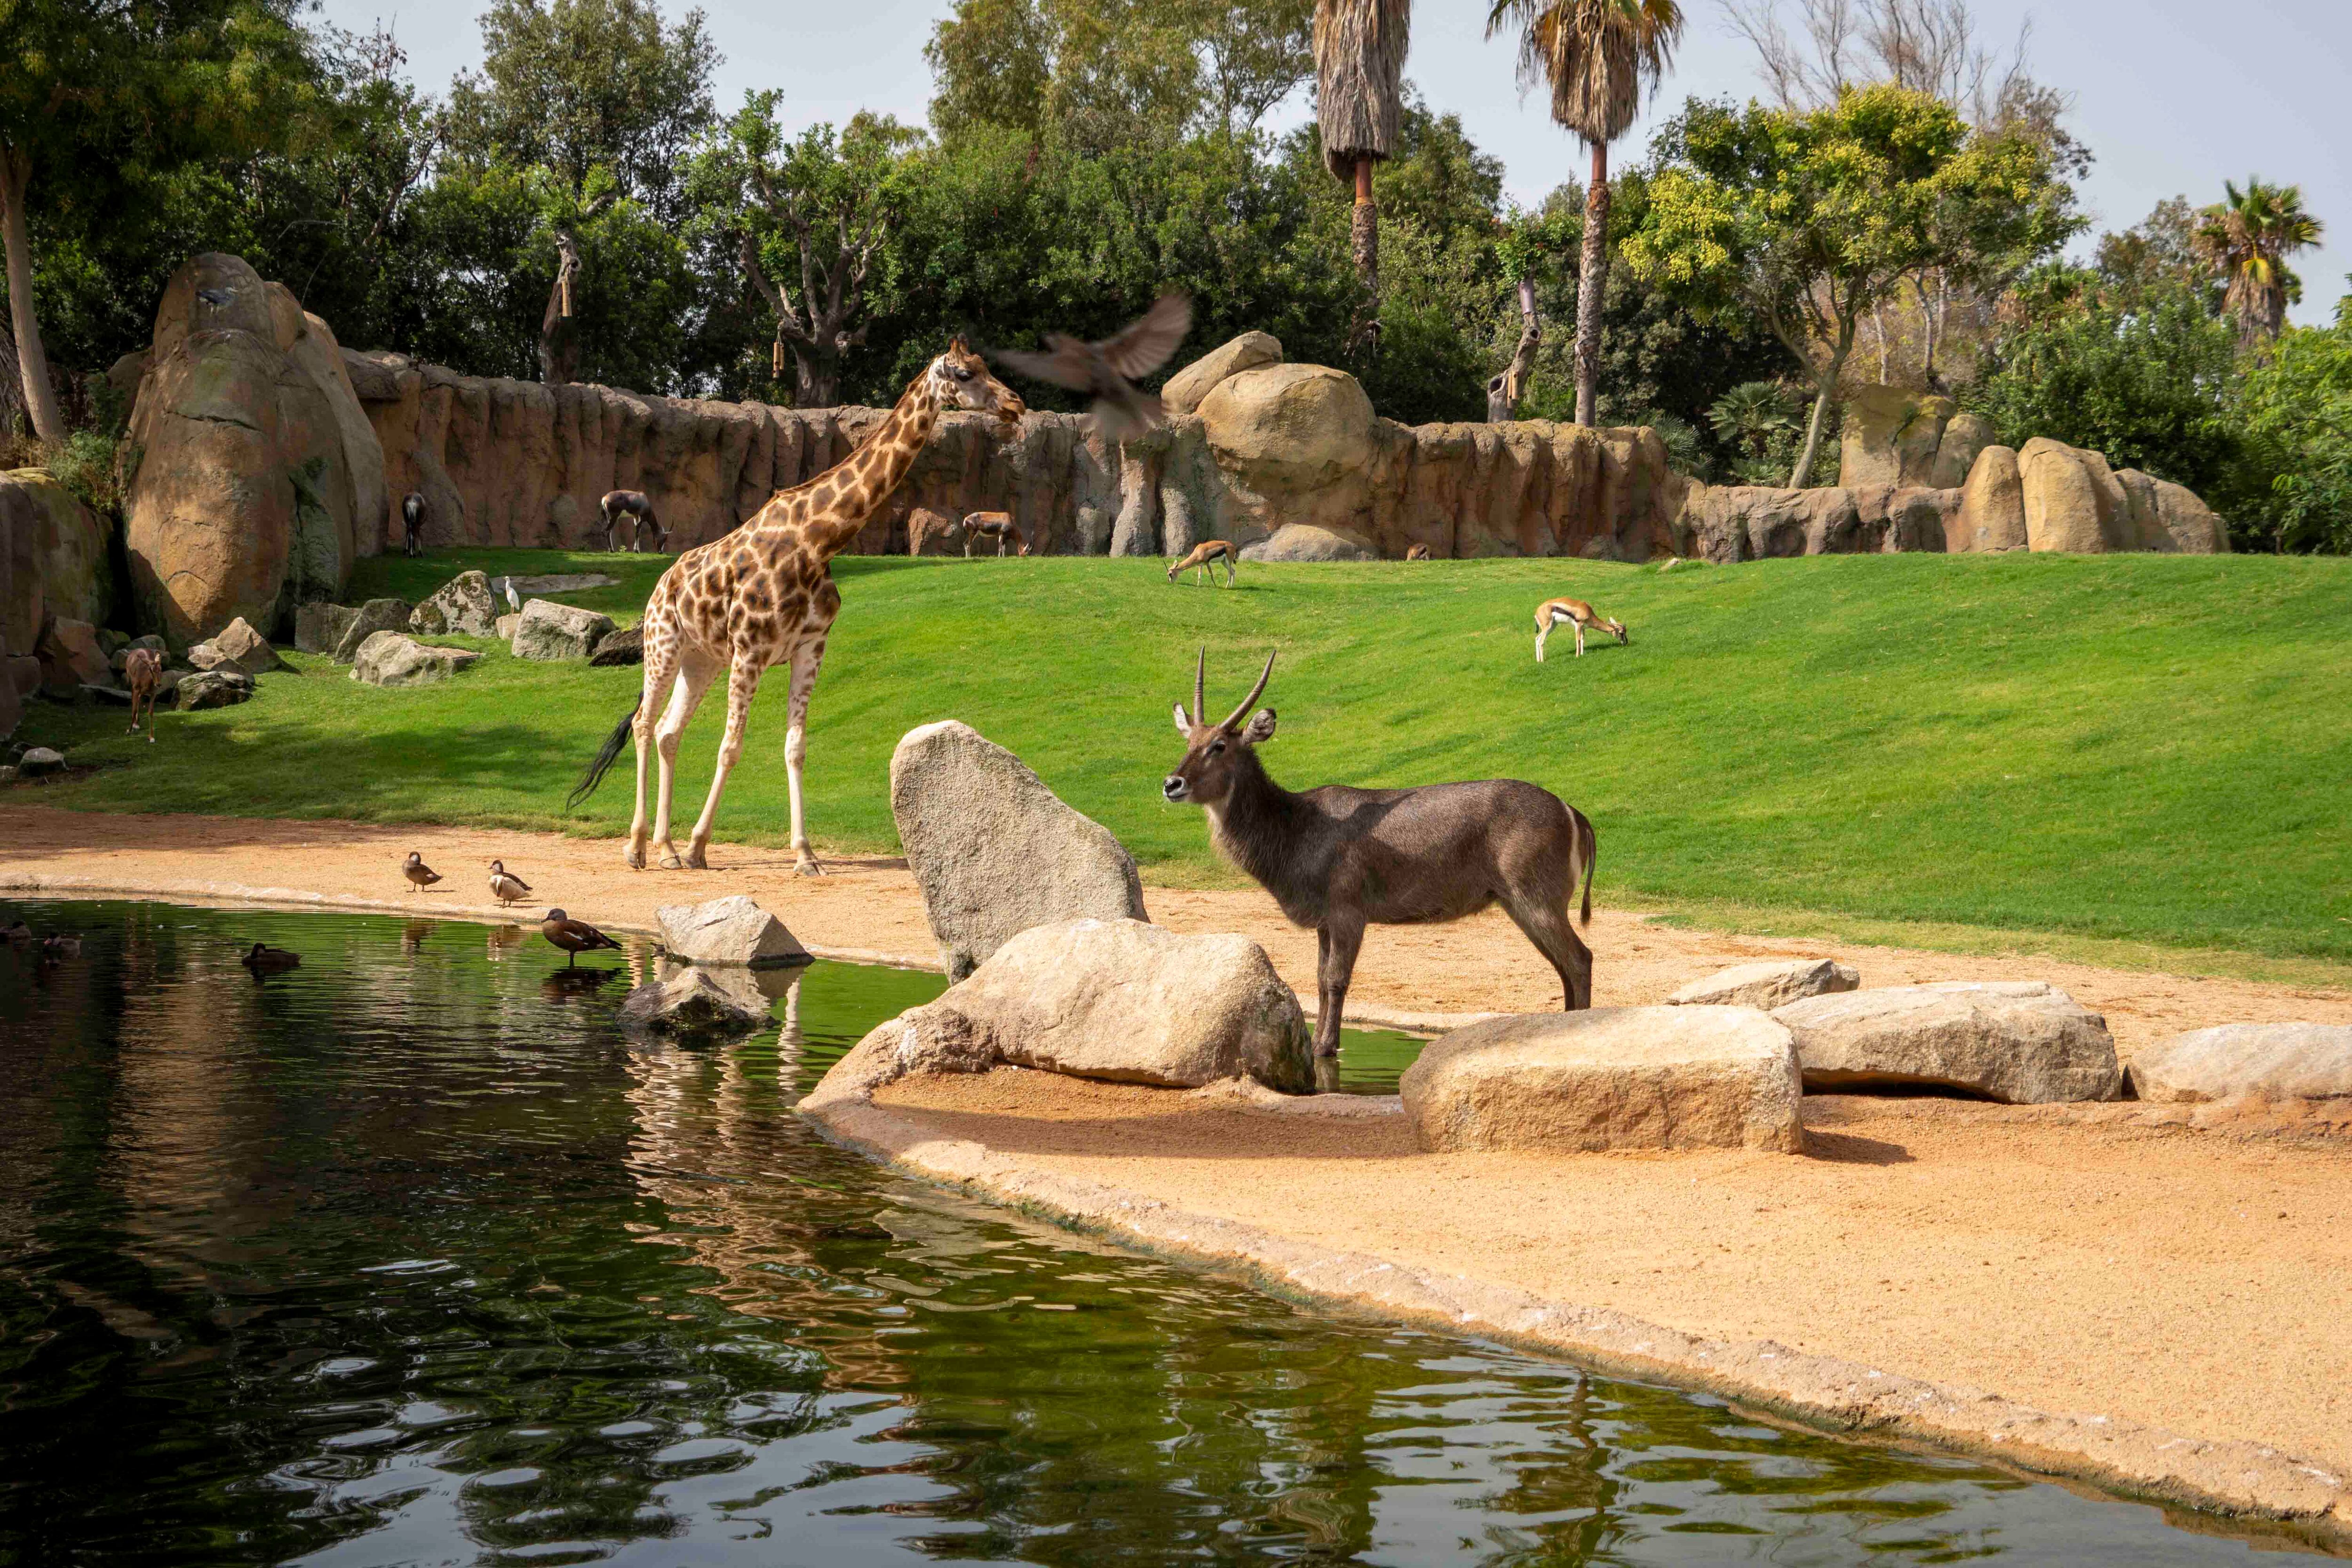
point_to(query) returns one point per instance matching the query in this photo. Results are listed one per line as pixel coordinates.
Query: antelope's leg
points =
(1543, 631)
(806, 660)
(1554, 936)
(1337, 944)
(742, 685)
(1579, 638)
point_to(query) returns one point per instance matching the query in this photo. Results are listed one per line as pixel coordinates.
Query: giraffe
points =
(762, 596)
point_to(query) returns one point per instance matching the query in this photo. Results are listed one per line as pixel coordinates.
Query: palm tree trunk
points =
(32, 358)
(1592, 286)
(1364, 241)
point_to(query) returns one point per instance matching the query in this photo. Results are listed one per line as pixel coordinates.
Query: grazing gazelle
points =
(1417, 553)
(638, 507)
(143, 671)
(996, 525)
(1205, 556)
(1338, 858)
(1575, 613)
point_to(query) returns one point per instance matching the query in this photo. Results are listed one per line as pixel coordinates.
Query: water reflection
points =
(390, 1260)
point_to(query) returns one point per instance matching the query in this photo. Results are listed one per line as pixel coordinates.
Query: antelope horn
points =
(1200, 686)
(1264, 676)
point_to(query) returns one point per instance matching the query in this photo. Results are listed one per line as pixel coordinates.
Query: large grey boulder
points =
(208, 688)
(392, 658)
(1306, 542)
(39, 761)
(236, 647)
(319, 626)
(1609, 1078)
(462, 606)
(549, 630)
(728, 931)
(994, 851)
(1771, 984)
(626, 646)
(690, 1003)
(2241, 1062)
(375, 616)
(2022, 1042)
(1186, 389)
(1114, 1000)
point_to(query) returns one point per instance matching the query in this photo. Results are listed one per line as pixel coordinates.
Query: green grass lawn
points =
(2153, 749)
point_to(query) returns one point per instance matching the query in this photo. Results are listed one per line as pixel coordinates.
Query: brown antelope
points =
(1205, 556)
(1578, 614)
(1336, 858)
(996, 525)
(412, 523)
(143, 671)
(638, 507)
(1417, 553)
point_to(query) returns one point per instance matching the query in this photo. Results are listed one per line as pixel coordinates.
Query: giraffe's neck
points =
(863, 480)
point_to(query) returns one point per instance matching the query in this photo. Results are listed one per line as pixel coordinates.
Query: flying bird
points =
(505, 886)
(575, 937)
(266, 959)
(417, 872)
(217, 297)
(1120, 412)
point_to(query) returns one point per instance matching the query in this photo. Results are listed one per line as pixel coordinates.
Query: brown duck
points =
(417, 872)
(575, 937)
(266, 959)
(505, 886)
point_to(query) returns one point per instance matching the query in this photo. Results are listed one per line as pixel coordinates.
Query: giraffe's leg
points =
(742, 685)
(660, 673)
(695, 672)
(806, 661)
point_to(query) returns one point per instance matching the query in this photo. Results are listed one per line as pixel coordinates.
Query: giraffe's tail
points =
(605, 756)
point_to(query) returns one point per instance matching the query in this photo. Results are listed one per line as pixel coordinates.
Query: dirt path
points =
(871, 906)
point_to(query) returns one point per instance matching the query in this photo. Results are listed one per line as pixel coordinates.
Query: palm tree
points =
(1359, 93)
(1597, 56)
(2247, 239)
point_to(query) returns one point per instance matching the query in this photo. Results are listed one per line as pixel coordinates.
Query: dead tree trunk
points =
(32, 358)
(558, 331)
(1505, 391)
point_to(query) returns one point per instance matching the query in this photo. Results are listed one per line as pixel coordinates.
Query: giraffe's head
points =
(961, 379)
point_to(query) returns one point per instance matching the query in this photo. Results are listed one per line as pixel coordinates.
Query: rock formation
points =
(259, 480)
(552, 630)
(2020, 1042)
(2248, 1061)
(730, 930)
(1768, 985)
(395, 658)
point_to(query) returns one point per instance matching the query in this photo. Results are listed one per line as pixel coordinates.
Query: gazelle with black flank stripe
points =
(1574, 612)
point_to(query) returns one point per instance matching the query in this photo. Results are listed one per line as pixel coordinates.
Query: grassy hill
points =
(2148, 748)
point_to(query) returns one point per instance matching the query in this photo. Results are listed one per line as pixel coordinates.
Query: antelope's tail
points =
(604, 756)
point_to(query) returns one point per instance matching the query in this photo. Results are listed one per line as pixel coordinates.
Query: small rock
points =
(461, 606)
(1768, 985)
(549, 630)
(212, 688)
(392, 658)
(236, 647)
(689, 1003)
(113, 696)
(506, 626)
(8, 775)
(626, 646)
(996, 851)
(375, 616)
(1609, 1078)
(728, 931)
(2020, 1042)
(319, 626)
(39, 761)
(2238, 1061)
(1186, 389)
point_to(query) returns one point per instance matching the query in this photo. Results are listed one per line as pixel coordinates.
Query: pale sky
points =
(2172, 96)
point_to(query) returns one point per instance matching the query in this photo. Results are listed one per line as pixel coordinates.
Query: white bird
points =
(513, 603)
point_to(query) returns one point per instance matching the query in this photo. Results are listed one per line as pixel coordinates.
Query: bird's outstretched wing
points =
(1144, 344)
(1066, 362)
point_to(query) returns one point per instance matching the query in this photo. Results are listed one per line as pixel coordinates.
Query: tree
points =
(1806, 221)
(2246, 240)
(1597, 56)
(104, 99)
(1360, 49)
(2296, 404)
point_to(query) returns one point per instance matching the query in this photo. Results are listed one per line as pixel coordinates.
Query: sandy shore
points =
(2104, 1292)
(870, 908)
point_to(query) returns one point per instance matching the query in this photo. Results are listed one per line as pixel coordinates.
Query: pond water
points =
(410, 1256)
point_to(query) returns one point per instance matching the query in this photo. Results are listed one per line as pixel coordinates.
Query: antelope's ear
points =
(1260, 727)
(1183, 725)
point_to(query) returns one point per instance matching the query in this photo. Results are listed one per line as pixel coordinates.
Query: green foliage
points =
(2006, 741)
(2296, 403)
(1757, 420)
(90, 464)
(2149, 388)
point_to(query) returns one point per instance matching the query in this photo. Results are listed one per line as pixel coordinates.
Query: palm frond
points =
(1597, 57)
(1359, 47)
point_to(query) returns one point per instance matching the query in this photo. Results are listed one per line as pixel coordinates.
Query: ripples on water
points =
(409, 1257)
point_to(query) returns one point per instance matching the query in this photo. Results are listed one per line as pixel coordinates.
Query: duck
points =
(417, 872)
(266, 959)
(61, 944)
(17, 935)
(575, 937)
(505, 886)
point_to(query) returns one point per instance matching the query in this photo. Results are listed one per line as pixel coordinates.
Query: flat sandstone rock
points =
(2238, 1061)
(994, 851)
(2022, 1042)
(1773, 983)
(393, 658)
(548, 630)
(1690, 1077)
